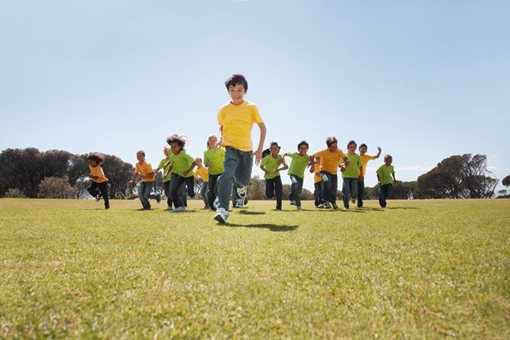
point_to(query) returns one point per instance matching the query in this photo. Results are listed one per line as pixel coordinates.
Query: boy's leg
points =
(270, 188)
(145, 190)
(103, 187)
(243, 169)
(166, 187)
(326, 186)
(354, 189)
(382, 196)
(293, 189)
(183, 195)
(317, 193)
(190, 183)
(93, 189)
(213, 190)
(361, 192)
(203, 193)
(278, 191)
(346, 192)
(299, 191)
(175, 190)
(226, 180)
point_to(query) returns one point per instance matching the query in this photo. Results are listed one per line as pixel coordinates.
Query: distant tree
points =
(119, 173)
(21, 169)
(16, 193)
(506, 181)
(463, 176)
(502, 193)
(56, 187)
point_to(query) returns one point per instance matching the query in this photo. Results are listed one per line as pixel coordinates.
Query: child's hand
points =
(361, 177)
(219, 143)
(379, 149)
(185, 172)
(258, 156)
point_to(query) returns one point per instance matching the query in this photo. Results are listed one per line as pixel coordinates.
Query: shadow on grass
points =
(403, 208)
(246, 212)
(270, 226)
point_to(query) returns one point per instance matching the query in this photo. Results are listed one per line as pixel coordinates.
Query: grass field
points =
(420, 269)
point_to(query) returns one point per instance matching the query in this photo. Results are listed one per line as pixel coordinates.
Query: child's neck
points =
(274, 156)
(237, 102)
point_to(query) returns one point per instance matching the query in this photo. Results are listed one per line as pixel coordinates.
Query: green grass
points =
(423, 269)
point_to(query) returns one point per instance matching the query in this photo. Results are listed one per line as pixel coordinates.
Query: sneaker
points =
(334, 206)
(221, 216)
(169, 208)
(98, 197)
(158, 198)
(321, 206)
(239, 203)
(292, 202)
(180, 209)
(242, 192)
(298, 207)
(327, 205)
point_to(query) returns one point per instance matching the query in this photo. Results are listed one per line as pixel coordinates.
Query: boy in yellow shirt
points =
(236, 120)
(144, 171)
(329, 160)
(204, 174)
(364, 161)
(99, 186)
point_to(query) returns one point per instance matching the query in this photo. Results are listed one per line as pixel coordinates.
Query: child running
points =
(144, 171)
(167, 176)
(99, 186)
(236, 120)
(384, 176)
(329, 160)
(300, 160)
(364, 161)
(271, 167)
(204, 174)
(213, 160)
(320, 202)
(181, 167)
(350, 174)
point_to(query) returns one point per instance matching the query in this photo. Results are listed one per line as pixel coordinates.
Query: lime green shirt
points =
(354, 166)
(298, 165)
(270, 164)
(166, 174)
(180, 162)
(216, 157)
(384, 173)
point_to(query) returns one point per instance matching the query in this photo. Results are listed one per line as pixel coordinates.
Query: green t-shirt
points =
(384, 173)
(355, 163)
(166, 174)
(180, 162)
(298, 165)
(270, 164)
(216, 157)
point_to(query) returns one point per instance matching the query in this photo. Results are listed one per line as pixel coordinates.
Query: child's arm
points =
(378, 179)
(191, 167)
(378, 152)
(219, 143)
(285, 167)
(394, 179)
(258, 153)
(312, 163)
(133, 179)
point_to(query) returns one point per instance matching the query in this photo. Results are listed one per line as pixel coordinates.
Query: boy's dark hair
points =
(175, 138)
(235, 79)
(363, 145)
(274, 143)
(96, 157)
(330, 141)
(351, 142)
(303, 143)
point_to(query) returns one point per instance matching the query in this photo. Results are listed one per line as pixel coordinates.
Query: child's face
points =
(362, 150)
(165, 151)
(333, 147)
(275, 150)
(140, 156)
(175, 148)
(211, 142)
(236, 93)
(302, 150)
(199, 163)
(388, 161)
(351, 148)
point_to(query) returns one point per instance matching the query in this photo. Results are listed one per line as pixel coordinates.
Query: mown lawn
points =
(420, 269)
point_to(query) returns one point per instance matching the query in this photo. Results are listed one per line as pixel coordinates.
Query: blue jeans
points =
(144, 193)
(350, 187)
(295, 189)
(176, 189)
(361, 192)
(329, 186)
(237, 169)
(274, 188)
(384, 191)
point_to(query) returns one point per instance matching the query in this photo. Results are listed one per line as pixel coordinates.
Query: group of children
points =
(227, 165)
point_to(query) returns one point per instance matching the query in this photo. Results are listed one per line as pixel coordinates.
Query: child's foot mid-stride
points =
(221, 216)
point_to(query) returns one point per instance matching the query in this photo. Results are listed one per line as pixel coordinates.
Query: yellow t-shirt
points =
(203, 173)
(98, 171)
(237, 122)
(316, 178)
(364, 162)
(145, 169)
(329, 161)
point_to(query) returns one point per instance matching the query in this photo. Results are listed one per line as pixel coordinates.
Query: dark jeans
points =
(274, 188)
(167, 186)
(213, 190)
(317, 194)
(329, 186)
(177, 182)
(349, 187)
(237, 169)
(102, 189)
(295, 189)
(203, 194)
(361, 192)
(384, 191)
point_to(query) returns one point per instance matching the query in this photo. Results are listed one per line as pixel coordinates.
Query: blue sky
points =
(423, 79)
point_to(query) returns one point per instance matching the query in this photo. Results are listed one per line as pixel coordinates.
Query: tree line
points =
(33, 173)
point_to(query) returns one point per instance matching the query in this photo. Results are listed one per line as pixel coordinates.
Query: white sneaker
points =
(239, 203)
(221, 216)
(292, 202)
(242, 192)
(180, 209)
